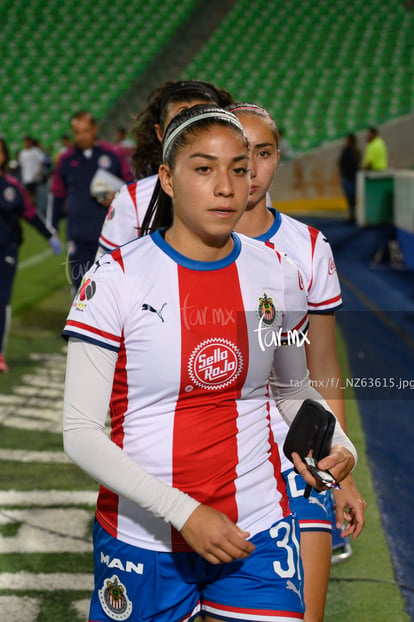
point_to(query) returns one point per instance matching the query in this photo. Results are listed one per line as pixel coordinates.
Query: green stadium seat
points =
(338, 66)
(60, 56)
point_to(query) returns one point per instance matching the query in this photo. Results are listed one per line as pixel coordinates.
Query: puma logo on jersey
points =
(316, 501)
(146, 307)
(98, 264)
(291, 586)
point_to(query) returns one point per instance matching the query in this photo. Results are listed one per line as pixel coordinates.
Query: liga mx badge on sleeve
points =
(114, 599)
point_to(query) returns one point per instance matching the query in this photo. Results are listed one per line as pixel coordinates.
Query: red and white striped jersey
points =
(196, 342)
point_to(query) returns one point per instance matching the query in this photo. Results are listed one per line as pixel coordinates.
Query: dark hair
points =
(256, 111)
(83, 114)
(373, 130)
(147, 156)
(192, 121)
(352, 140)
(5, 165)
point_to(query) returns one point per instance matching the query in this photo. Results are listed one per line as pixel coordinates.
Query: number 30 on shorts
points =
(285, 536)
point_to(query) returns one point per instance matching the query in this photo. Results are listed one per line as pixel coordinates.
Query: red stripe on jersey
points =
(214, 362)
(107, 242)
(107, 506)
(272, 246)
(313, 233)
(117, 256)
(326, 302)
(275, 457)
(92, 329)
(132, 189)
(259, 612)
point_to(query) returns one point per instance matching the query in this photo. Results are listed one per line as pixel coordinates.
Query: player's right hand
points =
(215, 537)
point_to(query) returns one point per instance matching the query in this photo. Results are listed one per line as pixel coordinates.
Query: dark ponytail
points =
(159, 213)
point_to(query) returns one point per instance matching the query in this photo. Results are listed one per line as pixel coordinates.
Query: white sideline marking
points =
(46, 523)
(82, 608)
(51, 356)
(47, 498)
(35, 259)
(45, 581)
(19, 608)
(26, 424)
(47, 531)
(21, 455)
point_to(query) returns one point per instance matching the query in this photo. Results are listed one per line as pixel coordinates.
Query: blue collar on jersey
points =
(273, 229)
(192, 264)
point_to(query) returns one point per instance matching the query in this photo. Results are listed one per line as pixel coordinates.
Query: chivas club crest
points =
(266, 310)
(114, 600)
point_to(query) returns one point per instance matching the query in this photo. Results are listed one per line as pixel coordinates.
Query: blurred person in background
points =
(71, 188)
(122, 139)
(31, 162)
(65, 143)
(15, 204)
(285, 149)
(348, 163)
(375, 156)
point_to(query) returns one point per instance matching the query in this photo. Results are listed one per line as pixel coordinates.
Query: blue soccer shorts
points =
(138, 585)
(314, 513)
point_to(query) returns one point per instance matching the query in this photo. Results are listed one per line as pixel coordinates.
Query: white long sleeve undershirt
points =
(87, 444)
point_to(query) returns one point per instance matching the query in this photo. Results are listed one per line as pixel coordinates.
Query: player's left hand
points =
(350, 508)
(339, 462)
(55, 244)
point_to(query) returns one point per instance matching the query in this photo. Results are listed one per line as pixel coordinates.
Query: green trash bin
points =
(375, 198)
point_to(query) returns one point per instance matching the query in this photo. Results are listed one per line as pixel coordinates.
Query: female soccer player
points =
(309, 249)
(128, 209)
(192, 513)
(14, 206)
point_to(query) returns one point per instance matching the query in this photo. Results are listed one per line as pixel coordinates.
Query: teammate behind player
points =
(15, 205)
(128, 209)
(192, 513)
(311, 252)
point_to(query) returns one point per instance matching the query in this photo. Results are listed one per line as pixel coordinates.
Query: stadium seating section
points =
(59, 56)
(322, 68)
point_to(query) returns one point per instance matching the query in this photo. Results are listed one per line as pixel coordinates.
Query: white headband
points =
(216, 114)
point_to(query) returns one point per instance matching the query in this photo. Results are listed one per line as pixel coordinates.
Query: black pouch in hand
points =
(311, 430)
